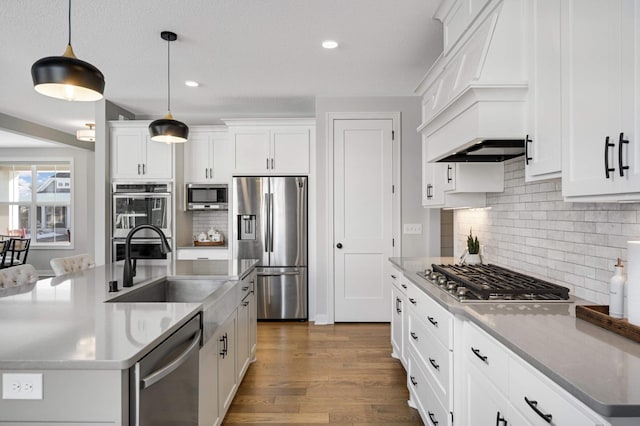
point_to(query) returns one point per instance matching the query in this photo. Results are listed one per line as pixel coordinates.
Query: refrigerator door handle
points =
(267, 228)
(271, 222)
(277, 274)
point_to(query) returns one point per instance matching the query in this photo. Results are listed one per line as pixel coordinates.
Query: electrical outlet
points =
(21, 386)
(412, 228)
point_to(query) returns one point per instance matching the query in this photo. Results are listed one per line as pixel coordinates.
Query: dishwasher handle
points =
(158, 375)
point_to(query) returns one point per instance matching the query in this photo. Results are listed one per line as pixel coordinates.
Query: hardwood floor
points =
(339, 374)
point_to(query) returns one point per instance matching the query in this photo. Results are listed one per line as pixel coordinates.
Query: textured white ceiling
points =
(252, 57)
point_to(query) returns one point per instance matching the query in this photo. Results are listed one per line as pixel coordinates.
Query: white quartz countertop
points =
(64, 322)
(598, 367)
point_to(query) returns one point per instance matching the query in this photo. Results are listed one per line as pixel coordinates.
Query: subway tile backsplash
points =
(203, 221)
(529, 228)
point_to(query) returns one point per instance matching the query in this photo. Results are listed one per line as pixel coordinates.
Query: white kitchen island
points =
(83, 347)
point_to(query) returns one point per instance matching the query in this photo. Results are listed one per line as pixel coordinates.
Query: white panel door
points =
(362, 218)
(126, 148)
(158, 160)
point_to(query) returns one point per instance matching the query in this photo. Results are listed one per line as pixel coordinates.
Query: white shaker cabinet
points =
(601, 158)
(543, 147)
(399, 318)
(135, 156)
(207, 156)
(281, 147)
(227, 379)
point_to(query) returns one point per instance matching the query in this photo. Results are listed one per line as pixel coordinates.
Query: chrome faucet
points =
(127, 278)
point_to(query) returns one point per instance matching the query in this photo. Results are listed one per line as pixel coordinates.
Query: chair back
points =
(65, 265)
(16, 253)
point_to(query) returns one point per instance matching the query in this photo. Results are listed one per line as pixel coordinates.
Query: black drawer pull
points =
(413, 301)
(622, 142)
(607, 169)
(432, 417)
(433, 321)
(501, 421)
(245, 288)
(477, 353)
(404, 286)
(534, 406)
(413, 381)
(398, 303)
(414, 335)
(433, 362)
(393, 276)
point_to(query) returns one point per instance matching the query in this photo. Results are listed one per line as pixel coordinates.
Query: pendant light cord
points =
(168, 75)
(69, 21)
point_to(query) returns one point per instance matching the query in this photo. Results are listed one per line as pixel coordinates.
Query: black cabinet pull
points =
(433, 321)
(477, 353)
(403, 286)
(607, 145)
(414, 335)
(429, 190)
(433, 362)
(245, 288)
(534, 406)
(622, 141)
(413, 301)
(393, 276)
(500, 421)
(449, 178)
(432, 417)
(413, 381)
(398, 303)
(527, 141)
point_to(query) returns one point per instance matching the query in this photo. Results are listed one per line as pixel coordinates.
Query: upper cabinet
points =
(134, 156)
(264, 147)
(601, 158)
(207, 155)
(543, 140)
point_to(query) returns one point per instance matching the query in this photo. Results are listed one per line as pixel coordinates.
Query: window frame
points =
(33, 204)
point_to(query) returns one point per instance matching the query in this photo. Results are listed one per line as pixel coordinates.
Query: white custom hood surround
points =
(477, 89)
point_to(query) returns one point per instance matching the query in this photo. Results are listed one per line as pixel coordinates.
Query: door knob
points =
(339, 245)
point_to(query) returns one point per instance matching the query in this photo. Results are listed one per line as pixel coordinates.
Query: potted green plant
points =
(473, 249)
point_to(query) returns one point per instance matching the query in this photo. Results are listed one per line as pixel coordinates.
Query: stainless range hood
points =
(488, 151)
(475, 95)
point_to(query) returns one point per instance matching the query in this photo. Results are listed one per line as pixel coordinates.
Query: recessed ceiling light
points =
(192, 83)
(329, 44)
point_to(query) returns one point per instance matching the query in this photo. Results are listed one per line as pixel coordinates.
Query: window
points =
(35, 201)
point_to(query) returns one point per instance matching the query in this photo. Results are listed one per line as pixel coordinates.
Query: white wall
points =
(531, 229)
(411, 210)
(83, 202)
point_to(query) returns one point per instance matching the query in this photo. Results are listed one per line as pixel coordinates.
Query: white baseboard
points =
(322, 320)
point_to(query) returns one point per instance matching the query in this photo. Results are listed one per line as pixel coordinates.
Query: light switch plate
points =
(412, 228)
(21, 386)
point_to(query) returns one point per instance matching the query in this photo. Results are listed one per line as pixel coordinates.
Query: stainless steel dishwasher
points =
(164, 384)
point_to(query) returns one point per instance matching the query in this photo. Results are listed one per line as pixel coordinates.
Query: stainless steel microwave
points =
(206, 197)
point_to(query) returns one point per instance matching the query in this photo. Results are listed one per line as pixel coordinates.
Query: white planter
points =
(473, 259)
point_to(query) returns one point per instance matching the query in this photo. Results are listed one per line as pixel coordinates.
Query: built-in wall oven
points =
(138, 203)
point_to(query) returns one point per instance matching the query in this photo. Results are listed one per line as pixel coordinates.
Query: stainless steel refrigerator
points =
(270, 224)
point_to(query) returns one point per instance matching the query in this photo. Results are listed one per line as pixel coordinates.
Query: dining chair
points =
(21, 232)
(16, 253)
(17, 276)
(65, 265)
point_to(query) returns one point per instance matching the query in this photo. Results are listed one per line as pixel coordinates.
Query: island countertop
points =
(598, 367)
(64, 322)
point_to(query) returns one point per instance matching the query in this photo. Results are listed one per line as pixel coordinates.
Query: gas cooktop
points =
(479, 283)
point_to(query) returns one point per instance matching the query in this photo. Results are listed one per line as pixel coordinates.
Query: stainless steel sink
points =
(171, 290)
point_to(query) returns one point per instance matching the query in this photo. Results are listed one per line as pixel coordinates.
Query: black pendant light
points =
(67, 77)
(167, 129)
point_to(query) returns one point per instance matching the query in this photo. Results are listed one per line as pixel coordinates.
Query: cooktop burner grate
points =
(495, 282)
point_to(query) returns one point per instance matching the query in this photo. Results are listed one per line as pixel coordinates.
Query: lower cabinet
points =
(227, 380)
(225, 358)
(202, 253)
(398, 316)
